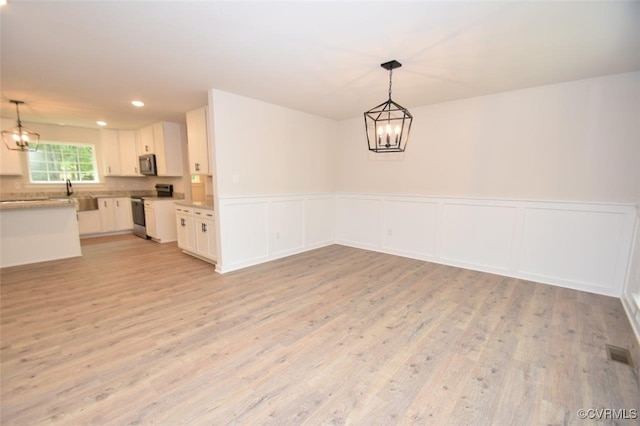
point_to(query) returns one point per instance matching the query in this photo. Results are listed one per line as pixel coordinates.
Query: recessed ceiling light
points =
(101, 123)
(137, 103)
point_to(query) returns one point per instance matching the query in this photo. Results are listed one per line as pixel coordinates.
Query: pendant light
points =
(20, 138)
(389, 123)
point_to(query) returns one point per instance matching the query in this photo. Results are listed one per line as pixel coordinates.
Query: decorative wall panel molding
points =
(585, 246)
(258, 229)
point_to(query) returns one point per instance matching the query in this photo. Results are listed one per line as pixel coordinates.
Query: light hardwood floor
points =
(136, 332)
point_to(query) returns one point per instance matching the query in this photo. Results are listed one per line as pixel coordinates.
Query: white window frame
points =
(65, 175)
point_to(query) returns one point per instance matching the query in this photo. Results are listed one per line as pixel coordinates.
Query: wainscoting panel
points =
(286, 227)
(572, 245)
(258, 229)
(411, 228)
(319, 221)
(585, 246)
(478, 235)
(244, 233)
(359, 221)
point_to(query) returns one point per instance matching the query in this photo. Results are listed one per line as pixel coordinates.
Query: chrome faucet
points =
(69, 188)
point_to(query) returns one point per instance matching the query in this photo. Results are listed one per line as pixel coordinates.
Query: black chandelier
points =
(389, 123)
(20, 138)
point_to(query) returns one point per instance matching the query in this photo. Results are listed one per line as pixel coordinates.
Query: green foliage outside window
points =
(56, 163)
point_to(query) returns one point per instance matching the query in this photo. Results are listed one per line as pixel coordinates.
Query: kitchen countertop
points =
(32, 204)
(199, 204)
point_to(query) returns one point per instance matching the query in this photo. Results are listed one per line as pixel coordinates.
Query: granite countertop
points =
(35, 203)
(199, 204)
(155, 197)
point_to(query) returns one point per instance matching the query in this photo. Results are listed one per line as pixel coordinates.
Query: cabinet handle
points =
(197, 167)
(135, 169)
(109, 169)
(105, 203)
(182, 222)
(117, 203)
(204, 227)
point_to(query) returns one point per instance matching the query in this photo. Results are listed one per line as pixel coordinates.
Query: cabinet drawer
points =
(184, 210)
(203, 213)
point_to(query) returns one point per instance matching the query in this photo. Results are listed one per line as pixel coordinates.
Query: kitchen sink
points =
(83, 203)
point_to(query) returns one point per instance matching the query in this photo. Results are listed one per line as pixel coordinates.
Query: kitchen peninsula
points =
(37, 231)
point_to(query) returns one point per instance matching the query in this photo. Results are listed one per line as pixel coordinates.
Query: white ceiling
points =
(76, 62)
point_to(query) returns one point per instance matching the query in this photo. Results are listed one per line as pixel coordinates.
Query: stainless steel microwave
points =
(148, 165)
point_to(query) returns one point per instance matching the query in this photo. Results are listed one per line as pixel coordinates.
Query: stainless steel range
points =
(137, 209)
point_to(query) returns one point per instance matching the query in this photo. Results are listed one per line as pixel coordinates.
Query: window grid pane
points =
(58, 162)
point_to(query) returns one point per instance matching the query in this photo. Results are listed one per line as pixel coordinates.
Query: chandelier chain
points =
(390, 75)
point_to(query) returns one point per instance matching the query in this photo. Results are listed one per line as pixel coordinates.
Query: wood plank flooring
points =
(136, 332)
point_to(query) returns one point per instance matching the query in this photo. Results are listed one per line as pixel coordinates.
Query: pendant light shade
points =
(20, 138)
(388, 124)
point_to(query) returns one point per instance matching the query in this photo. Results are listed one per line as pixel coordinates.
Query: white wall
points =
(575, 141)
(631, 296)
(541, 183)
(268, 149)
(272, 174)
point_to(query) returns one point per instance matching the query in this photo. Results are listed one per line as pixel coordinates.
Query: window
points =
(57, 162)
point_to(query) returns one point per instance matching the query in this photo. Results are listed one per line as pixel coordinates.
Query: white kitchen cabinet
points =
(185, 228)
(146, 143)
(160, 218)
(89, 222)
(204, 227)
(11, 161)
(110, 145)
(128, 153)
(168, 140)
(115, 214)
(198, 141)
(196, 232)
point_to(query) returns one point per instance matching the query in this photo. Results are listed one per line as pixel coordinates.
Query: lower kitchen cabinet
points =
(159, 216)
(196, 232)
(205, 230)
(115, 214)
(185, 228)
(112, 215)
(89, 222)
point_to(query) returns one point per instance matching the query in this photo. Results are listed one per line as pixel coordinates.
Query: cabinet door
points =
(107, 214)
(128, 153)
(89, 222)
(150, 220)
(123, 214)
(184, 225)
(10, 161)
(110, 152)
(146, 142)
(205, 233)
(198, 141)
(169, 139)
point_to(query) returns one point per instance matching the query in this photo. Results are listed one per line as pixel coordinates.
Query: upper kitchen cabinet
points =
(198, 141)
(168, 140)
(10, 161)
(146, 142)
(110, 152)
(128, 153)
